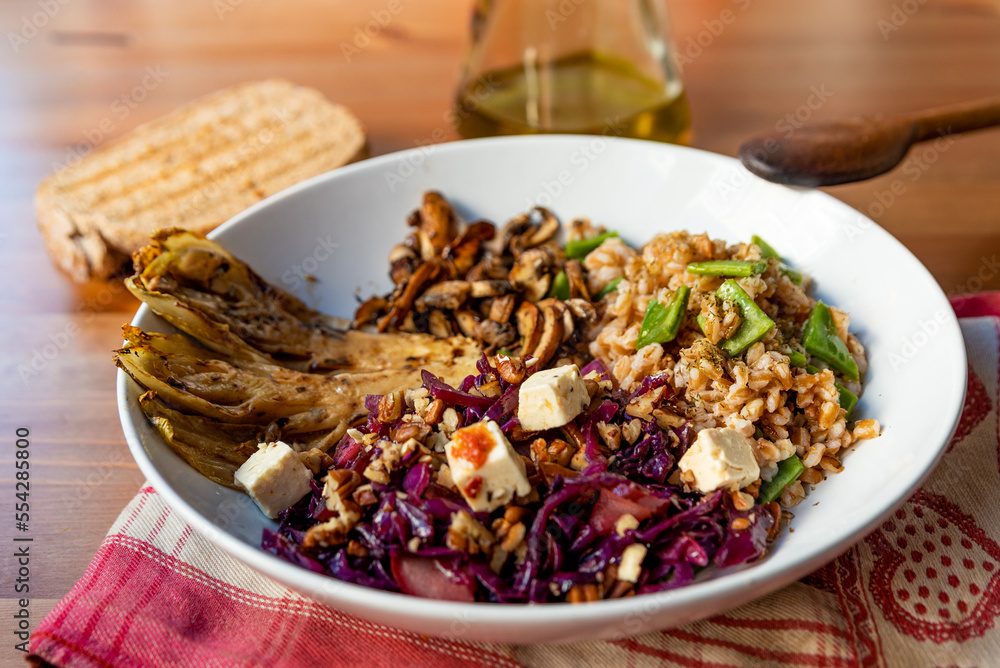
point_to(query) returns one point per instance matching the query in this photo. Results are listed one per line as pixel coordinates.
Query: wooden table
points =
(748, 65)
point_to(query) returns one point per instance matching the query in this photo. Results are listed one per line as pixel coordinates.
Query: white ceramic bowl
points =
(340, 226)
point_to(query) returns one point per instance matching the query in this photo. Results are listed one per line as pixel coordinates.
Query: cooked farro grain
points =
(758, 393)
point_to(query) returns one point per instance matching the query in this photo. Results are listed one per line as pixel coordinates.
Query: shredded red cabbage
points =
(570, 538)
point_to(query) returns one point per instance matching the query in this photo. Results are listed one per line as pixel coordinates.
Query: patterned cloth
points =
(921, 590)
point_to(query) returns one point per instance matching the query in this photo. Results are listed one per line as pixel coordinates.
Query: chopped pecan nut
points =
(466, 534)
(775, 509)
(583, 593)
(621, 589)
(364, 495)
(316, 460)
(356, 549)
(391, 456)
(642, 406)
(610, 434)
(558, 451)
(515, 513)
(434, 412)
(511, 369)
(632, 431)
(412, 430)
(741, 500)
(340, 483)
(550, 470)
(390, 406)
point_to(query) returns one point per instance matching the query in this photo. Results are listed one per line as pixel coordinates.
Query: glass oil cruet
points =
(571, 66)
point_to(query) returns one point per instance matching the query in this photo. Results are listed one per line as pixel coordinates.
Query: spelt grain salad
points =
(536, 412)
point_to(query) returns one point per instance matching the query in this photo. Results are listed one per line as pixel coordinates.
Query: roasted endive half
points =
(254, 363)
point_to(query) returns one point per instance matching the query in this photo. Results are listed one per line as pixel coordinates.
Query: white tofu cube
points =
(720, 458)
(551, 398)
(274, 477)
(484, 466)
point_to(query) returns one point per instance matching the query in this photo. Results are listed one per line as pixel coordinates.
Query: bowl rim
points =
(744, 579)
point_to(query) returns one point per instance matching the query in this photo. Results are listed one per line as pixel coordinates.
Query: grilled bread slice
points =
(194, 168)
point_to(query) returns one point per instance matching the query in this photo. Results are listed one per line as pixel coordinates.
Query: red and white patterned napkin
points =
(922, 590)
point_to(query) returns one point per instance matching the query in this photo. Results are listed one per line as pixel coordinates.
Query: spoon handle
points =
(943, 121)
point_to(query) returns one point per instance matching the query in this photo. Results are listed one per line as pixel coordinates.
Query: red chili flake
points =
(473, 487)
(473, 444)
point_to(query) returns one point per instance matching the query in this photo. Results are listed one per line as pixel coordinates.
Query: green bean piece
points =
(742, 268)
(766, 250)
(701, 322)
(560, 287)
(661, 323)
(757, 433)
(848, 400)
(755, 325)
(797, 359)
(609, 288)
(820, 340)
(794, 276)
(577, 250)
(789, 471)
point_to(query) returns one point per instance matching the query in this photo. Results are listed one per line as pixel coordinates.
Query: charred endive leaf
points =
(261, 365)
(253, 393)
(208, 293)
(215, 449)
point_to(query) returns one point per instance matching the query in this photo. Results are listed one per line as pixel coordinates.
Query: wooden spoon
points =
(854, 149)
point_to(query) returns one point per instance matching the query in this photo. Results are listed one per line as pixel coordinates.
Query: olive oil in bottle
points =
(581, 93)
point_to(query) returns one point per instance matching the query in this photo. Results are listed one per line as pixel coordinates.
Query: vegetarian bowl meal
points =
(527, 412)
(591, 420)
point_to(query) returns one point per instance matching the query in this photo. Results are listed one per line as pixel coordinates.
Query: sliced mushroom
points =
(437, 220)
(465, 250)
(552, 331)
(496, 334)
(369, 310)
(467, 322)
(490, 268)
(529, 326)
(423, 242)
(425, 274)
(530, 273)
(577, 282)
(582, 310)
(514, 228)
(568, 322)
(409, 324)
(403, 261)
(447, 295)
(547, 227)
(502, 308)
(440, 325)
(484, 289)
(544, 226)
(559, 309)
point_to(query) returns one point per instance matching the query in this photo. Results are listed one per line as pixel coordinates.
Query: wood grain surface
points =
(73, 76)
